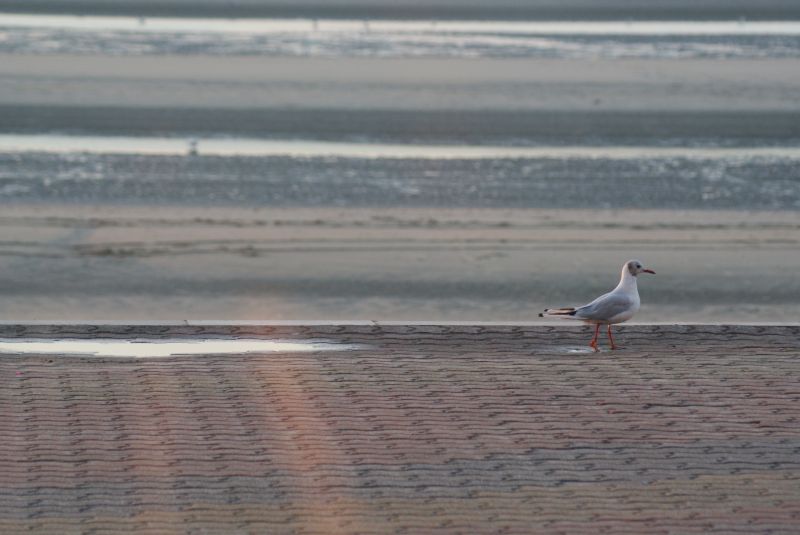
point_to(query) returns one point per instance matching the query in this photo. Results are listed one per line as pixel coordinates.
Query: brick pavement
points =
(423, 429)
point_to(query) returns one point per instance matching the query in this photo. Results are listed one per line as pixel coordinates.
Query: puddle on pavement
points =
(161, 348)
(575, 350)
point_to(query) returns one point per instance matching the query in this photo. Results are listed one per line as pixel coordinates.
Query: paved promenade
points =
(418, 429)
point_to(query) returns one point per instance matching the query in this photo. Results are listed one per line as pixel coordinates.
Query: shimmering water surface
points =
(293, 173)
(160, 348)
(406, 38)
(64, 144)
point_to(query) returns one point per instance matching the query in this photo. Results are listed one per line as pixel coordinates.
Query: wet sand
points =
(119, 262)
(560, 127)
(400, 83)
(551, 101)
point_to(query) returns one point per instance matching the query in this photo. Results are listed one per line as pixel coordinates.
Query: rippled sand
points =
(401, 264)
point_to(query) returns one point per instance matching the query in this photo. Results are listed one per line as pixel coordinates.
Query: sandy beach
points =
(91, 234)
(400, 83)
(86, 262)
(423, 100)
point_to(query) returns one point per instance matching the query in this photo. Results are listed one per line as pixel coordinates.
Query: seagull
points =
(618, 305)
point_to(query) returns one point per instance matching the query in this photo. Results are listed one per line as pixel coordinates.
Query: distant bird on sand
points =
(618, 305)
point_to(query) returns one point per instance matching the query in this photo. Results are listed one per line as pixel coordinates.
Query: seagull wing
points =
(605, 307)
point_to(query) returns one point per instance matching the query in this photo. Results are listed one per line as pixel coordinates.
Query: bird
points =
(616, 306)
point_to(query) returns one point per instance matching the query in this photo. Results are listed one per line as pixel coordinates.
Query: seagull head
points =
(635, 267)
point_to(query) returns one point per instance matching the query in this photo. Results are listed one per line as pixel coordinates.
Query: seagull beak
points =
(650, 271)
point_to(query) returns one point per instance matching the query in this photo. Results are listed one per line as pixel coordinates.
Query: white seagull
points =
(618, 305)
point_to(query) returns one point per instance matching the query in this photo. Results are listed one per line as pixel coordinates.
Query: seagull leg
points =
(593, 343)
(611, 338)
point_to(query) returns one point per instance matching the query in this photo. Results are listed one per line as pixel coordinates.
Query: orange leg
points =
(611, 338)
(593, 343)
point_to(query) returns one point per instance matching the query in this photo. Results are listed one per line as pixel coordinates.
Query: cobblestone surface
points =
(423, 429)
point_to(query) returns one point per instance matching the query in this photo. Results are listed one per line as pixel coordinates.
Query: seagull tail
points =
(567, 311)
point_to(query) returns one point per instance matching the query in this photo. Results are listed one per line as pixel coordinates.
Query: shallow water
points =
(352, 175)
(250, 25)
(21, 33)
(298, 148)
